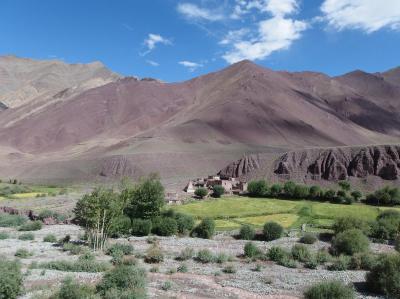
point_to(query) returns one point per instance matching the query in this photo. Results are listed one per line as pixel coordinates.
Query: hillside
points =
(132, 126)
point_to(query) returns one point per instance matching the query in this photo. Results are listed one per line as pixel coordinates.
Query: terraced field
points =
(231, 212)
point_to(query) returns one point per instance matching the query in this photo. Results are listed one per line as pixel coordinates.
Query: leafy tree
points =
(141, 227)
(289, 188)
(350, 242)
(315, 192)
(301, 192)
(384, 196)
(272, 231)
(387, 225)
(356, 195)
(344, 185)
(218, 191)
(96, 212)
(201, 192)
(276, 189)
(205, 229)
(329, 195)
(342, 224)
(185, 223)
(246, 232)
(145, 199)
(257, 188)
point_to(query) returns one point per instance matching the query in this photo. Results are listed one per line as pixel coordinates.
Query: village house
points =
(231, 185)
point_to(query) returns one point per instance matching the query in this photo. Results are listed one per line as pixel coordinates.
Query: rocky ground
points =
(201, 280)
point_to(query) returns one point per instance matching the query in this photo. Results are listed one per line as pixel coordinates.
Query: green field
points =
(231, 212)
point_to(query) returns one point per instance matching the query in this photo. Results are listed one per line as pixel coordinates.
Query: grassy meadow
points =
(231, 212)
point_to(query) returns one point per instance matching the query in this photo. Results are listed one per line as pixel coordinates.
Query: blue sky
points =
(177, 40)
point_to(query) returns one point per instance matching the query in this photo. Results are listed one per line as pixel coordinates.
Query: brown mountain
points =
(192, 128)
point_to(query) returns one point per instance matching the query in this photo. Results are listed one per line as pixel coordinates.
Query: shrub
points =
(308, 238)
(221, 258)
(182, 268)
(205, 229)
(301, 253)
(275, 190)
(350, 242)
(7, 220)
(386, 196)
(31, 226)
(23, 253)
(126, 249)
(272, 231)
(229, 269)
(166, 286)
(74, 249)
(312, 263)
(51, 214)
(257, 188)
(329, 290)
(301, 192)
(71, 289)
(387, 225)
(363, 261)
(11, 280)
(345, 223)
(322, 256)
(50, 238)
(165, 226)
(329, 195)
(344, 185)
(397, 244)
(287, 262)
(288, 189)
(315, 192)
(218, 191)
(120, 227)
(341, 263)
(4, 235)
(185, 223)
(251, 250)
(26, 237)
(356, 195)
(384, 277)
(141, 227)
(186, 254)
(123, 282)
(246, 232)
(276, 253)
(154, 255)
(201, 192)
(205, 256)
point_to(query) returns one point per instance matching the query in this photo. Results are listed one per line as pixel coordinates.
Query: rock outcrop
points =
(241, 167)
(334, 164)
(118, 166)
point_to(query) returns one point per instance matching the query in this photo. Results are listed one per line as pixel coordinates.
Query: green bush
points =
(71, 289)
(363, 261)
(251, 250)
(301, 253)
(125, 282)
(185, 223)
(387, 225)
(257, 188)
(205, 229)
(272, 231)
(289, 189)
(201, 192)
(387, 196)
(31, 226)
(276, 253)
(205, 256)
(26, 237)
(340, 263)
(218, 191)
(384, 276)
(85, 263)
(4, 235)
(345, 223)
(350, 242)
(329, 195)
(11, 280)
(397, 244)
(73, 249)
(308, 238)
(182, 268)
(23, 253)
(315, 192)
(322, 256)
(165, 226)
(312, 263)
(229, 269)
(301, 192)
(288, 262)
(186, 254)
(120, 227)
(246, 232)
(8, 220)
(126, 249)
(221, 258)
(50, 238)
(356, 195)
(51, 214)
(329, 290)
(275, 190)
(141, 227)
(154, 255)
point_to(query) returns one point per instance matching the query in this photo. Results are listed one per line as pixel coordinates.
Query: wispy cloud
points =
(128, 27)
(365, 15)
(190, 65)
(152, 62)
(194, 12)
(152, 40)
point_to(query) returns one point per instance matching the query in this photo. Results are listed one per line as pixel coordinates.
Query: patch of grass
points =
(85, 263)
(31, 226)
(50, 238)
(4, 236)
(23, 253)
(7, 220)
(26, 237)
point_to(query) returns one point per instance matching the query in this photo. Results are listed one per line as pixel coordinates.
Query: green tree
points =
(344, 185)
(356, 195)
(218, 191)
(315, 192)
(96, 212)
(276, 189)
(257, 188)
(145, 199)
(201, 192)
(289, 189)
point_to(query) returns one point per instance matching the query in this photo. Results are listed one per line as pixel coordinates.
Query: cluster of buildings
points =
(231, 185)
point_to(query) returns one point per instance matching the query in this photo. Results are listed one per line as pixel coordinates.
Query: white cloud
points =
(192, 11)
(366, 15)
(192, 66)
(152, 62)
(153, 39)
(274, 34)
